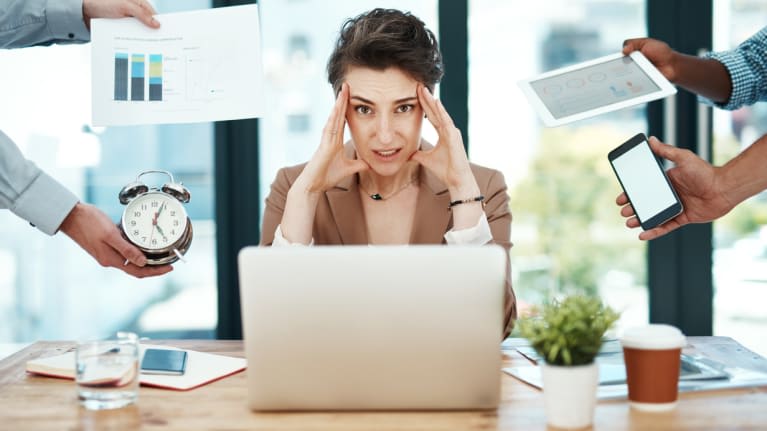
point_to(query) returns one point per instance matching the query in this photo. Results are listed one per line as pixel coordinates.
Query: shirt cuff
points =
(479, 234)
(64, 19)
(45, 204)
(281, 241)
(740, 77)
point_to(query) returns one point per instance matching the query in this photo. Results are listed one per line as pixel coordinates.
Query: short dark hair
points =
(383, 38)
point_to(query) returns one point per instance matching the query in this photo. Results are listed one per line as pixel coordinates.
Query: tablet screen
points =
(594, 86)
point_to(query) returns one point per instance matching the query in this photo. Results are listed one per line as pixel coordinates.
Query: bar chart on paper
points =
(135, 79)
(190, 70)
(130, 77)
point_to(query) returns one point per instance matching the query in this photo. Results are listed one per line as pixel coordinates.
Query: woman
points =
(387, 185)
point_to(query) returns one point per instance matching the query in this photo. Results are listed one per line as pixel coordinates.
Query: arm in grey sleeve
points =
(41, 22)
(29, 192)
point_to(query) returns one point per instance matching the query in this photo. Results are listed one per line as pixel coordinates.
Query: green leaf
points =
(570, 331)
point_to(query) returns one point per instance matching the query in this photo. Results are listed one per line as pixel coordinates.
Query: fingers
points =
(659, 231)
(146, 5)
(140, 9)
(341, 103)
(441, 120)
(622, 199)
(630, 45)
(333, 131)
(146, 271)
(117, 249)
(665, 151)
(144, 12)
(125, 249)
(419, 155)
(429, 105)
(632, 222)
(627, 211)
(354, 166)
(108, 256)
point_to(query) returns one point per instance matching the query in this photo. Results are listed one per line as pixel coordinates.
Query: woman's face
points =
(384, 117)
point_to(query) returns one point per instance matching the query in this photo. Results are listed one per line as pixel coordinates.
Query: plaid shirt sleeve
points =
(747, 66)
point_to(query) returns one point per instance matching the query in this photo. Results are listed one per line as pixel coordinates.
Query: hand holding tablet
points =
(595, 87)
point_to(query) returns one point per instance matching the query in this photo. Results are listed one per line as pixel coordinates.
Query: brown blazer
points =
(340, 220)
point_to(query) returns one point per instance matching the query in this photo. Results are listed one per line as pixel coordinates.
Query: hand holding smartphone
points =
(645, 182)
(162, 361)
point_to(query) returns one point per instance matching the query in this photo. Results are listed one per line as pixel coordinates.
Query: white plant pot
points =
(570, 394)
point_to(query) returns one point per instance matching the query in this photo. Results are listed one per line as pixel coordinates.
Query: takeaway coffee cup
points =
(652, 354)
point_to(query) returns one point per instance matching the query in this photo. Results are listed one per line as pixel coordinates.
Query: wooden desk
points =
(38, 403)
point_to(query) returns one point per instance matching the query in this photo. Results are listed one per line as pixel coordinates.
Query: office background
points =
(567, 233)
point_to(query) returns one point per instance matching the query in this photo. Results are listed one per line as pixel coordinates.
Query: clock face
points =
(154, 220)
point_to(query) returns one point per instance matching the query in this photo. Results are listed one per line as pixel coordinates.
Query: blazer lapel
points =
(432, 219)
(346, 207)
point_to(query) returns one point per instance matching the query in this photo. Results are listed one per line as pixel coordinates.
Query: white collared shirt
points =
(479, 234)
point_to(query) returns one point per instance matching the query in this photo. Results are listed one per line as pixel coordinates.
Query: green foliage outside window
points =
(569, 200)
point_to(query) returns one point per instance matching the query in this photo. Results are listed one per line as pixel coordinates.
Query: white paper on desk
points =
(201, 368)
(198, 66)
(738, 378)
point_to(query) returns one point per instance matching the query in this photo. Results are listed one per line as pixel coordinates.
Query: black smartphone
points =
(645, 182)
(161, 361)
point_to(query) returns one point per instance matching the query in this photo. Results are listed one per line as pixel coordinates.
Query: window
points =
(568, 235)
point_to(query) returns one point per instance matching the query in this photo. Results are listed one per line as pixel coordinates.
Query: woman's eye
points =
(405, 108)
(362, 109)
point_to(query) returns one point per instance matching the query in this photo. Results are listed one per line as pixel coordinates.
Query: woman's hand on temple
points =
(329, 165)
(447, 160)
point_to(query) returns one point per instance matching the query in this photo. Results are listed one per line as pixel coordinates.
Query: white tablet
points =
(595, 87)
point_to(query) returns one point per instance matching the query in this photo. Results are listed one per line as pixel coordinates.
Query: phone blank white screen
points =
(643, 181)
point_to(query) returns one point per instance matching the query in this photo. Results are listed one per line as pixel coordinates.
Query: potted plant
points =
(567, 334)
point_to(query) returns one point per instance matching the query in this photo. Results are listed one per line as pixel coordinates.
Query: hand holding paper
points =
(199, 66)
(141, 9)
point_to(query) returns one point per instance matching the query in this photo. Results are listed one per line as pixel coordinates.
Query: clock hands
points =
(154, 222)
(159, 212)
(159, 229)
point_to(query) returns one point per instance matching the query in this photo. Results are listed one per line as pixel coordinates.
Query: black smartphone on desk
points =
(162, 361)
(645, 182)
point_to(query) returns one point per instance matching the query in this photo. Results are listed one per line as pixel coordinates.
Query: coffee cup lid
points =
(653, 337)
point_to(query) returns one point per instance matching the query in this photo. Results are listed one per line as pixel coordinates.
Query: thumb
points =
(116, 241)
(665, 151)
(630, 45)
(144, 12)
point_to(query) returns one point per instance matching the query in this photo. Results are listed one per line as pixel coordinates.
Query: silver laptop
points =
(372, 328)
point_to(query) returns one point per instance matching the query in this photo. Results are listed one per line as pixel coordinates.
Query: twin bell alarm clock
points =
(155, 221)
